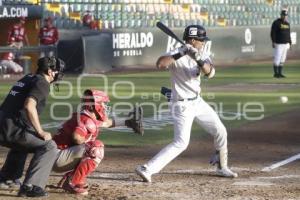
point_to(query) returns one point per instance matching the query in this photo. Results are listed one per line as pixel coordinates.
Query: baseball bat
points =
(167, 31)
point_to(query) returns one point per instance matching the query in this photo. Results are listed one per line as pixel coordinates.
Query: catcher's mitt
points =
(135, 120)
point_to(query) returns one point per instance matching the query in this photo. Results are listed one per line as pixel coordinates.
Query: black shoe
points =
(36, 191)
(282, 76)
(32, 191)
(23, 190)
(276, 76)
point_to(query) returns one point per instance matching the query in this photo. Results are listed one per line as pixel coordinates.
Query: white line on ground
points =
(281, 163)
(280, 177)
(252, 183)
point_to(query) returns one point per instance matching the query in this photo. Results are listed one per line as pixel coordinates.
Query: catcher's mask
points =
(96, 101)
(196, 32)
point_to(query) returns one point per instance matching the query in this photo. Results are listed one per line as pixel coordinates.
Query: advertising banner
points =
(16, 11)
(140, 48)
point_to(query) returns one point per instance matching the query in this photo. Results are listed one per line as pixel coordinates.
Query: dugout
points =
(9, 15)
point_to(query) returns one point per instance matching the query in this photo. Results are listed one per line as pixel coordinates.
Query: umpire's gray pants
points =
(22, 141)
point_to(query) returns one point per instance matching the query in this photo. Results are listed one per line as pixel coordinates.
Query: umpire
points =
(21, 131)
(281, 42)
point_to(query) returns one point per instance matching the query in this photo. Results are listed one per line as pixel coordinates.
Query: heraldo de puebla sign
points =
(15, 11)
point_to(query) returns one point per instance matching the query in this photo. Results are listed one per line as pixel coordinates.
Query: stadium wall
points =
(139, 48)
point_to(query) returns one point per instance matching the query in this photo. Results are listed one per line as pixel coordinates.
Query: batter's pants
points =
(22, 141)
(183, 114)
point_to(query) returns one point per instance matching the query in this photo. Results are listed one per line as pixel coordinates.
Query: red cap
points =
(8, 56)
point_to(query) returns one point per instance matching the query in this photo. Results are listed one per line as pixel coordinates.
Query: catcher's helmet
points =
(95, 101)
(195, 31)
(55, 64)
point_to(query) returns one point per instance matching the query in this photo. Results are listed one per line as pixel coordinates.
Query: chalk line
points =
(281, 163)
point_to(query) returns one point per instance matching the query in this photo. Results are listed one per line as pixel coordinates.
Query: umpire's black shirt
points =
(35, 86)
(280, 32)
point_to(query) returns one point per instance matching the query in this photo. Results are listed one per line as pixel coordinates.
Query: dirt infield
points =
(190, 177)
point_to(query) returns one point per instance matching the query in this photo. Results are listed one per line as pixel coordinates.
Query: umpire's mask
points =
(55, 64)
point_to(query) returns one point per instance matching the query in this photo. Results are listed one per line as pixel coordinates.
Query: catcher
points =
(79, 150)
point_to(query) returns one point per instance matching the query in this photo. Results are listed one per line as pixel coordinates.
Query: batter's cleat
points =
(143, 173)
(75, 189)
(226, 172)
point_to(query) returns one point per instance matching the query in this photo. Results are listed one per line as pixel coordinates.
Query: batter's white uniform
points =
(187, 106)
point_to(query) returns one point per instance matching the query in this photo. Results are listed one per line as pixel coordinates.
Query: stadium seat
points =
(176, 12)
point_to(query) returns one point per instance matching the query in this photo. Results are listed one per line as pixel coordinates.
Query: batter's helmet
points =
(195, 31)
(96, 100)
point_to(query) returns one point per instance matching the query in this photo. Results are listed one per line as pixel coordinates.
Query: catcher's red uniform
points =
(86, 126)
(48, 35)
(16, 33)
(80, 123)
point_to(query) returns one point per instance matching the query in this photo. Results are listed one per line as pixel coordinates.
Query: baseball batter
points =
(80, 152)
(281, 42)
(185, 65)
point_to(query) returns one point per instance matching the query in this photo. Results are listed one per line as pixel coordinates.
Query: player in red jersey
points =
(48, 37)
(17, 34)
(80, 152)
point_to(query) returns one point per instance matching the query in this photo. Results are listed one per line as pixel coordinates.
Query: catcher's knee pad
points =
(94, 150)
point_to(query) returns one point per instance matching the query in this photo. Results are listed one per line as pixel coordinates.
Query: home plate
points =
(252, 183)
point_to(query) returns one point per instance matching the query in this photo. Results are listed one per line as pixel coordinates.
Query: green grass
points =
(149, 83)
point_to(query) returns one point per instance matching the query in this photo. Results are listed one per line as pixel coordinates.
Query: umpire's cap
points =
(197, 32)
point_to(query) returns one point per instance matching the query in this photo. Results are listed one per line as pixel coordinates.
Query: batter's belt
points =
(188, 99)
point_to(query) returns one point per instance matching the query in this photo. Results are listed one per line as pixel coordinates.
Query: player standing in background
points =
(17, 34)
(185, 65)
(89, 20)
(281, 42)
(80, 150)
(48, 37)
(21, 131)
